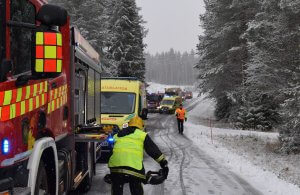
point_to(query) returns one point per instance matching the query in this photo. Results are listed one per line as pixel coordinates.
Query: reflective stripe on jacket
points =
(180, 113)
(128, 151)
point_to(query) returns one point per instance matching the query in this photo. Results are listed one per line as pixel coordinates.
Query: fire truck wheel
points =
(41, 184)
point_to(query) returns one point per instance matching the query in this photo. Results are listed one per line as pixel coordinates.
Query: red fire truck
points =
(49, 99)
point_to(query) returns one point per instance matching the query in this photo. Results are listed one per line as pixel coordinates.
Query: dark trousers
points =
(118, 180)
(180, 125)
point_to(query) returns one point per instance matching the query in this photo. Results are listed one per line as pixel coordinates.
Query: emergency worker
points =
(181, 117)
(126, 161)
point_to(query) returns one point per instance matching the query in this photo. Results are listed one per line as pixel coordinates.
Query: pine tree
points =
(290, 46)
(223, 52)
(125, 47)
(80, 12)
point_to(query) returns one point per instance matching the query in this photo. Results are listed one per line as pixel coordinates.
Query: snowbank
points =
(204, 108)
(265, 181)
(244, 152)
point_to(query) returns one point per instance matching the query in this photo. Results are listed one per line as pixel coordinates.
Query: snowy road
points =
(192, 170)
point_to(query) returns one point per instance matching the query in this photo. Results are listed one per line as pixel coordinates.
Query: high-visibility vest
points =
(128, 151)
(48, 52)
(180, 113)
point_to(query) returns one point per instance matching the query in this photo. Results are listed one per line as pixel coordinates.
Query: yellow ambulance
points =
(121, 100)
(169, 104)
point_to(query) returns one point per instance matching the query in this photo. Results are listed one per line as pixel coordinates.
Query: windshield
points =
(2, 30)
(117, 103)
(153, 98)
(171, 93)
(167, 102)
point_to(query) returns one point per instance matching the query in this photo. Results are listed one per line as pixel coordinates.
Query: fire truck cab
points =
(48, 101)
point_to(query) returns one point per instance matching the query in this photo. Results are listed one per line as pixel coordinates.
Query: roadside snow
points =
(249, 154)
(265, 181)
(204, 109)
(246, 153)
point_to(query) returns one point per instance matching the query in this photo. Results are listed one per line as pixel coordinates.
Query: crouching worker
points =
(126, 162)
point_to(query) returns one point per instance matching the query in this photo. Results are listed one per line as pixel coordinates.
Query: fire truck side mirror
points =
(5, 67)
(52, 15)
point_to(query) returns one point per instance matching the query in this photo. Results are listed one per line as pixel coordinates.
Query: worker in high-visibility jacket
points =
(181, 116)
(126, 161)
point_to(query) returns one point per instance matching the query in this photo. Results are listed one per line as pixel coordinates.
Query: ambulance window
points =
(2, 30)
(21, 38)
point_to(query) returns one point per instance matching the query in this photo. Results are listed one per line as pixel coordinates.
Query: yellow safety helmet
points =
(136, 122)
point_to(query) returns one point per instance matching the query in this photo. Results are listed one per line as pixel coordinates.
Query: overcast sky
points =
(171, 24)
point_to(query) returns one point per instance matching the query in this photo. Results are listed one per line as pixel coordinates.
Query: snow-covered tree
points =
(115, 30)
(124, 45)
(290, 35)
(87, 16)
(223, 52)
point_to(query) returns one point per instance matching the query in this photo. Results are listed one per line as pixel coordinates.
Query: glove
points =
(154, 180)
(165, 168)
(107, 178)
(165, 172)
(185, 119)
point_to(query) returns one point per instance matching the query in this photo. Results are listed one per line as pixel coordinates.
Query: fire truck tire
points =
(41, 183)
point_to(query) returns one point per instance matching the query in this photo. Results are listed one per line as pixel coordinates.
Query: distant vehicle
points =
(121, 100)
(183, 95)
(173, 92)
(169, 104)
(153, 102)
(188, 95)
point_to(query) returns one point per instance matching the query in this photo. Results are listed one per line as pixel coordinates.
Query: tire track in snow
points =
(161, 135)
(182, 148)
(180, 173)
(173, 149)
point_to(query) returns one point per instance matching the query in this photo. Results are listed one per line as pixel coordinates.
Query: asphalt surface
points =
(192, 170)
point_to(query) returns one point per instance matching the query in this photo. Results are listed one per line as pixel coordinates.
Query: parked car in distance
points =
(153, 102)
(188, 95)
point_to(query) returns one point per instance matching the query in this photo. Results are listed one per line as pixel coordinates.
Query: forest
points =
(115, 29)
(247, 59)
(250, 64)
(171, 67)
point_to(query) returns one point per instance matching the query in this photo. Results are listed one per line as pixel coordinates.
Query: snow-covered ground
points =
(211, 160)
(249, 154)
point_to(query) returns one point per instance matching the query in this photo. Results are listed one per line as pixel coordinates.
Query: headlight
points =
(125, 125)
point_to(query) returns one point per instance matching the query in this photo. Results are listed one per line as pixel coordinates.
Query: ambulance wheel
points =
(41, 183)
